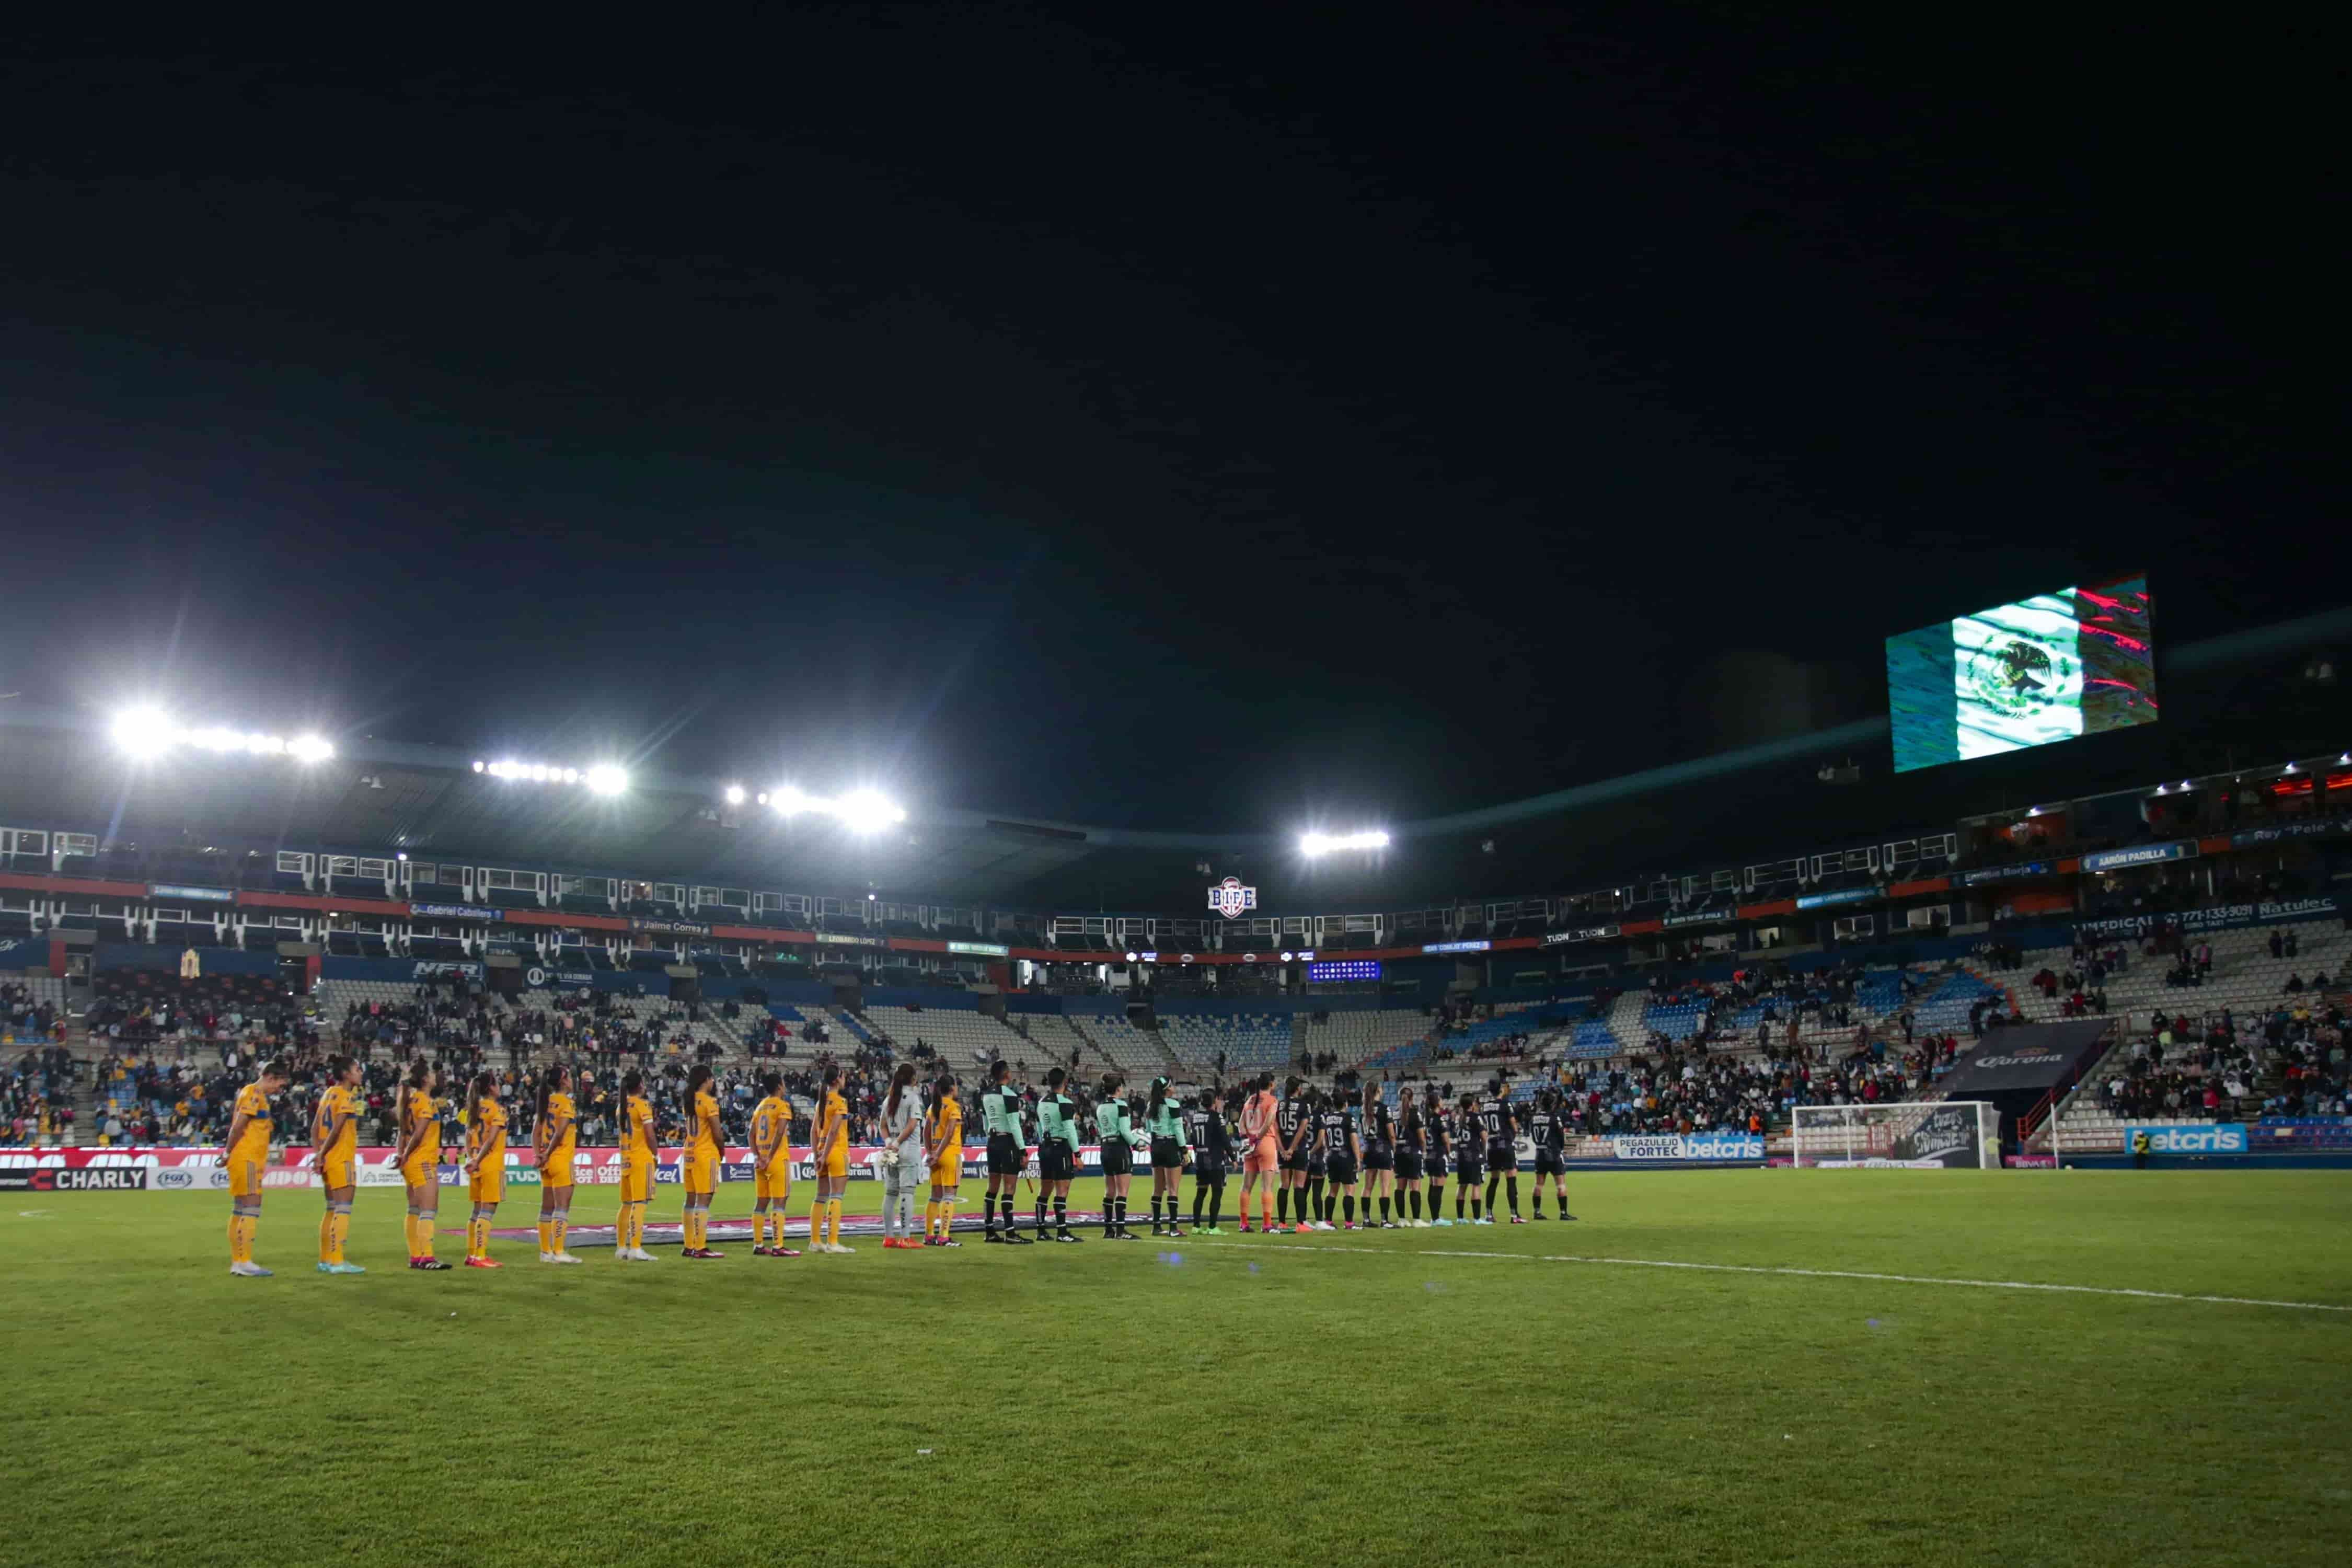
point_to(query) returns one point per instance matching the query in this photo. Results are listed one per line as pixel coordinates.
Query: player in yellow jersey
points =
(420, 1160)
(943, 1152)
(334, 1152)
(248, 1156)
(554, 1138)
(772, 1167)
(485, 1166)
(639, 1155)
(829, 1154)
(698, 1162)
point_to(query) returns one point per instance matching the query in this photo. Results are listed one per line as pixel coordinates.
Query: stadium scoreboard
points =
(1343, 969)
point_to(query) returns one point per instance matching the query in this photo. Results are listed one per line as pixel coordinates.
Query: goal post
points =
(1948, 1134)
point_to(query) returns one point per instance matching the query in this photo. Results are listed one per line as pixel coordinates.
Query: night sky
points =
(1213, 418)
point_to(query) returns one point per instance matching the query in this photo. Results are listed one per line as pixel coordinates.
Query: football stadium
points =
(1437, 930)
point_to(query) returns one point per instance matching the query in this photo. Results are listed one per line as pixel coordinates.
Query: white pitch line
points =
(1796, 1273)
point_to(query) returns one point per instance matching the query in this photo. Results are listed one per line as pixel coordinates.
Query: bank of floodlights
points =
(860, 811)
(603, 779)
(1314, 843)
(147, 733)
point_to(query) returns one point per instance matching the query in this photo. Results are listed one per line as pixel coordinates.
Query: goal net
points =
(1952, 1134)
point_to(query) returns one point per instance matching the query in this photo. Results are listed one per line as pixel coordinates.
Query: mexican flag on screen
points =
(2017, 676)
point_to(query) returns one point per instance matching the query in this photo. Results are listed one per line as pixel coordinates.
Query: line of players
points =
(1310, 1157)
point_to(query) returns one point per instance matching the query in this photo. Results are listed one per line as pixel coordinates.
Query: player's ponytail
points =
(553, 1078)
(1159, 1095)
(483, 1083)
(899, 1082)
(700, 1075)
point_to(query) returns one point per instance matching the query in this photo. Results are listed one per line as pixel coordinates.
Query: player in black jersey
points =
(1293, 1132)
(1548, 1128)
(1496, 1120)
(1408, 1159)
(1380, 1135)
(1342, 1152)
(1316, 1168)
(1212, 1152)
(1469, 1161)
(1439, 1153)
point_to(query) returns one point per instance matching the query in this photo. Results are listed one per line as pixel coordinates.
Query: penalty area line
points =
(1795, 1273)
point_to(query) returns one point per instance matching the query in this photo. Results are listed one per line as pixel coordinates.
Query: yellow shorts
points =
(557, 1173)
(423, 1171)
(337, 1173)
(636, 1181)
(776, 1181)
(699, 1173)
(947, 1172)
(836, 1162)
(245, 1176)
(489, 1187)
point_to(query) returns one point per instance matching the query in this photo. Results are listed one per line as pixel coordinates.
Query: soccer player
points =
(1439, 1154)
(335, 1143)
(1316, 1163)
(943, 1147)
(1000, 1120)
(1469, 1162)
(1408, 1158)
(1163, 1120)
(420, 1160)
(698, 1163)
(1548, 1128)
(902, 1157)
(1378, 1131)
(554, 1138)
(829, 1148)
(485, 1166)
(1261, 1154)
(250, 1128)
(1495, 1118)
(1212, 1150)
(639, 1155)
(771, 1167)
(1058, 1137)
(1342, 1152)
(1114, 1134)
(1293, 1130)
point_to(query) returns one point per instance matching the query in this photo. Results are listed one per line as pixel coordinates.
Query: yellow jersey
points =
(489, 1137)
(771, 1125)
(702, 1126)
(422, 1110)
(253, 1143)
(637, 1129)
(339, 1108)
(567, 1140)
(835, 1115)
(947, 1126)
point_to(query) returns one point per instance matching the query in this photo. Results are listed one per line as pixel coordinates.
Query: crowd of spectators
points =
(2291, 1060)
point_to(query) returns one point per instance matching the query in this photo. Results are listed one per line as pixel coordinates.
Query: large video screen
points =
(2057, 666)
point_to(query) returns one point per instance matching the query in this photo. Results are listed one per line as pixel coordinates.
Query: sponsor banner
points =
(980, 949)
(672, 928)
(1697, 1146)
(2139, 855)
(2221, 916)
(1946, 1136)
(835, 939)
(175, 890)
(1583, 933)
(455, 912)
(2031, 1162)
(1702, 917)
(1456, 946)
(437, 969)
(1840, 896)
(2025, 1056)
(2196, 1138)
(2018, 873)
(1230, 899)
(2329, 827)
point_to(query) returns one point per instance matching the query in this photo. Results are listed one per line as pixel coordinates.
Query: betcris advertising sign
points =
(2197, 1137)
(1689, 1146)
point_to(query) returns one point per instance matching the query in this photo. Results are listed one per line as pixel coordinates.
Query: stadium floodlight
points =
(734, 795)
(1328, 843)
(147, 733)
(867, 812)
(606, 780)
(310, 749)
(143, 733)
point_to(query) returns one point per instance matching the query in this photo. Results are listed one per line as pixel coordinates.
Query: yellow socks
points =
(558, 1231)
(327, 1237)
(240, 1238)
(340, 1224)
(543, 1249)
(833, 1221)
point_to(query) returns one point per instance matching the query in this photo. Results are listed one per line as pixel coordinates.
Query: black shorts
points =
(1209, 1172)
(1379, 1157)
(1118, 1158)
(1467, 1169)
(1408, 1164)
(1339, 1172)
(1294, 1162)
(1056, 1163)
(1005, 1155)
(1503, 1157)
(1550, 1163)
(1440, 1162)
(1167, 1152)
(1316, 1164)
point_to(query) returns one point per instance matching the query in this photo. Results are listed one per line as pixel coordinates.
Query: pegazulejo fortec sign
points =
(1229, 898)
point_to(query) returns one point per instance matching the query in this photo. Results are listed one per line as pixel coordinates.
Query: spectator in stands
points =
(2294, 985)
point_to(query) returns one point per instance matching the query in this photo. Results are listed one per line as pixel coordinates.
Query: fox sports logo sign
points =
(1229, 898)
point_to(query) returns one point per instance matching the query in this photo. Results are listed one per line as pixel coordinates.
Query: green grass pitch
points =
(1485, 1396)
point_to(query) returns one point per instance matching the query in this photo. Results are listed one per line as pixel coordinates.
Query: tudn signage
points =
(1229, 898)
